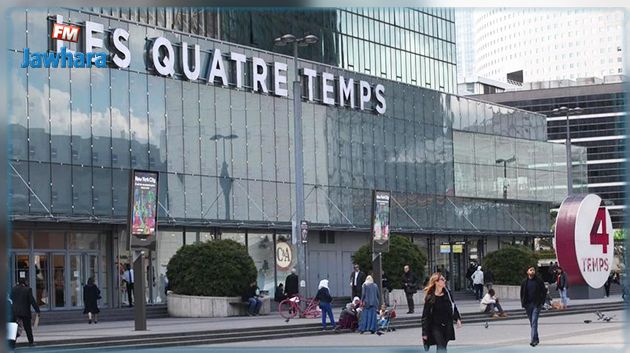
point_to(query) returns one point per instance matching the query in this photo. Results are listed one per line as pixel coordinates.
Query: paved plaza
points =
(564, 333)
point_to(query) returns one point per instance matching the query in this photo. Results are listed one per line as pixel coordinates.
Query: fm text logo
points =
(65, 32)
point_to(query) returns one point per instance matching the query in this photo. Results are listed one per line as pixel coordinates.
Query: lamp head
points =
(288, 38)
(278, 42)
(310, 39)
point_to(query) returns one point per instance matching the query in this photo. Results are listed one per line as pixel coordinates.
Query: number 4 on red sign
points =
(600, 238)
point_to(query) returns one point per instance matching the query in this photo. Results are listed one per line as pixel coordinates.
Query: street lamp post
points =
(297, 142)
(505, 162)
(568, 111)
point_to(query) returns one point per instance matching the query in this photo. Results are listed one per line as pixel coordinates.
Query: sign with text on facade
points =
(284, 256)
(584, 240)
(102, 48)
(380, 220)
(143, 208)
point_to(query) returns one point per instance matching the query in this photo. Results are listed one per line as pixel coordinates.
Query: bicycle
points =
(291, 307)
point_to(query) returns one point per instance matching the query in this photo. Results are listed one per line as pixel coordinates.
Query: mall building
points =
(219, 130)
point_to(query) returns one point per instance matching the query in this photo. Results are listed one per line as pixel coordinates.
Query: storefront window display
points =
(261, 249)
(285, 258)
(168, 244)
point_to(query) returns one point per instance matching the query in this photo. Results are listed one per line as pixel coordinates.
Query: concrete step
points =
(279, 331)
(106, 314)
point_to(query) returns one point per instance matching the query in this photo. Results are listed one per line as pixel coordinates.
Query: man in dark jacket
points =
(410, 286)
(357, 277)
(386, 288)
(533, 294)
(22, 297)
(251, 297)
(291, 284)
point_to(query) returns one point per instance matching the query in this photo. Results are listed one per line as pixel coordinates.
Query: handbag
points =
(425, 344)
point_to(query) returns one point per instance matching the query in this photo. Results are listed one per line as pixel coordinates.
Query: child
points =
(382, 316)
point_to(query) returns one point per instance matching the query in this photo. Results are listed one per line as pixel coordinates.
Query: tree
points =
(401, 252)
(509, 265)
(219, 268)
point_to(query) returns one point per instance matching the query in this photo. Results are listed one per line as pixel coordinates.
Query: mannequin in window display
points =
(40, 286)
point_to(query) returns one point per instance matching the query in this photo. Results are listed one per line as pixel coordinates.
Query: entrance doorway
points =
(57, 264)
(453, 255)
(57, 278)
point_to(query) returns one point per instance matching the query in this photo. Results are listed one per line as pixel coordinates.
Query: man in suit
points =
(357, 277)
(23, 300)
(291, 284)
(128, 277)
(410, 286)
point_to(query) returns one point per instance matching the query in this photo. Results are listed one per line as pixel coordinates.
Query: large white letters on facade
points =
(165, 65)
(194, 74)
(123, 62)
(217, 68)
(346, 92)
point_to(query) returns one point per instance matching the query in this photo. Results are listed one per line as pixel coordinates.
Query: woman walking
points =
(370, 299)
(323, 295)
(438, 314)
(91, 295)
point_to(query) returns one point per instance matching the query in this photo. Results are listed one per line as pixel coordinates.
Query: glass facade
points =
(225, 155)
(488, 166)
(600, 130)
(414, 46)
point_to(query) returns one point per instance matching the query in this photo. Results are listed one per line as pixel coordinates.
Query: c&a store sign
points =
(101, 49)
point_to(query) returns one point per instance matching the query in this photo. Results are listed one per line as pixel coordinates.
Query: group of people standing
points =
(366, 294)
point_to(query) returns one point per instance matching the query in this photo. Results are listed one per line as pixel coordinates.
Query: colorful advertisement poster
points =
(144, 203)
(380, 218)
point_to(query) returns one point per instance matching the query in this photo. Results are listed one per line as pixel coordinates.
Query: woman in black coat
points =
(438, 314)
(91, 295)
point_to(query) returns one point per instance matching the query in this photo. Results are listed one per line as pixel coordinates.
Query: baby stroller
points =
(385, 322)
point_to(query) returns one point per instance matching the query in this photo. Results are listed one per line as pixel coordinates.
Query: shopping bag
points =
(12, 329)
